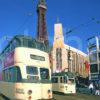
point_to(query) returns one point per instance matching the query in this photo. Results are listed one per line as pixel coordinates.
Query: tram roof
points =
(19, 37)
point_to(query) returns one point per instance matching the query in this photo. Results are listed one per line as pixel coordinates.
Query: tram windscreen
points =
(94, 68)
(71, 81)
(32, 70)
(32, 73)
(44, 73)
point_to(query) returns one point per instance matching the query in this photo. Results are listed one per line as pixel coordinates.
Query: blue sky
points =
(20, 17)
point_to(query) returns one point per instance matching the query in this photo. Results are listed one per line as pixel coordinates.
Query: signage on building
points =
(94, 76)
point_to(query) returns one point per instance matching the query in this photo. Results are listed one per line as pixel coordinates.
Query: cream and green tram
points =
(25, 71)
(63, 82)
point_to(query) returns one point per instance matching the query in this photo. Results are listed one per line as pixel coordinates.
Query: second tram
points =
(64, 82)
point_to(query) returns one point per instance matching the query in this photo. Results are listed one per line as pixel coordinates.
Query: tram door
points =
(61, 84)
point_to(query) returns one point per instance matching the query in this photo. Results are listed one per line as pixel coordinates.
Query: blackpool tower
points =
(42, 34)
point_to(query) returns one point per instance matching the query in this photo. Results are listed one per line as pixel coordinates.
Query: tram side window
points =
(61, 79)
(25, 42)
(14, 44)
(65, 79)
(31, 44)
(71, 80)
(55, 80)
(12, 75)
(40, 46)
(6, 75)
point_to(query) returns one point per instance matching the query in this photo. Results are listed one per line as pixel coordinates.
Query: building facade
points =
(65, 57)
(94, 57)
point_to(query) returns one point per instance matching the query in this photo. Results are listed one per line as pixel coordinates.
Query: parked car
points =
(81, 88)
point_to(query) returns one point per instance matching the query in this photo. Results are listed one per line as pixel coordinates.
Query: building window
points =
(99, 56)
(93, 57)
(59, 58)
(94, 68)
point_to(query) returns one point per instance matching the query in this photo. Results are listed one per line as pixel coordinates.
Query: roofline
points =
(76, 50)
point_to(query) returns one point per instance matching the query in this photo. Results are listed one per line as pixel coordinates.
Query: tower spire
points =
(42, 2)
(42, 29)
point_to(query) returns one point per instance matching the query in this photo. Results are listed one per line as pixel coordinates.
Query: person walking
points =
(97, 92)
(91, 88)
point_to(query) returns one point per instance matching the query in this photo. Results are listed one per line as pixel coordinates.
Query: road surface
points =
(71, 97)
(76, 97)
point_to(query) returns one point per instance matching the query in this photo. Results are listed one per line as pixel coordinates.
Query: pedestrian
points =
(97, 92)
(91, 88)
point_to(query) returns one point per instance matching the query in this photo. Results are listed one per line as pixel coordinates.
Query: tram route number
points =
(20, 91)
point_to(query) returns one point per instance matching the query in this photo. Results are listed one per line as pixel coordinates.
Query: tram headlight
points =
(29, 92)
(49, 91)
(29, 98)
(49, 94)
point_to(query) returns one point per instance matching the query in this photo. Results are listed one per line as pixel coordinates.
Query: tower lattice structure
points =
(42, 34)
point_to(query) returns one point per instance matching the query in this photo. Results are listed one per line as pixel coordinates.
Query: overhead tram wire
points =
(24, 23)
(26, 20)
(82, 25)
(8, 38)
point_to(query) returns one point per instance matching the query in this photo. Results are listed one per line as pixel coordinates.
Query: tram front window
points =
(32, 73)
(71, 81)
(32, 70)
(44, 74)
